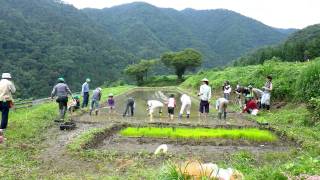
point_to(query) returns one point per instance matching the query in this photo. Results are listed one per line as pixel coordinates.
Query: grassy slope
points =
(26, 131)
(292, 120)
(251, 134)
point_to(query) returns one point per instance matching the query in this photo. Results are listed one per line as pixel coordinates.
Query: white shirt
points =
(6, 90)
(154, 104)
(171, 102)
(185, 99)
(227, 89)
(205, 92)
(221, 101)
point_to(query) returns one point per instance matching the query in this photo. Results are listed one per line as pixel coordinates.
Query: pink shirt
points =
(171, 102)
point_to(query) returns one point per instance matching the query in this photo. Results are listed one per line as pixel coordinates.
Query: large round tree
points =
(181, 61)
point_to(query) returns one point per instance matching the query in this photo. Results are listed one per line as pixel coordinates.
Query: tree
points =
(181, 61)
(140, 70)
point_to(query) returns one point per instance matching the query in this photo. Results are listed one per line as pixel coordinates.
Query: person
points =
(85, 93)
(61, 90)
(152, 105)
(226, 90)
(256, 94)
(111, 103)
(1, 136)
(171, 106)
(205, 96)
(185, 105)
(238, 92)
(75, 104)
(130, 105)
(96, 97)
(7, 88)
(251, 106)
(266, 96)
(221, 106)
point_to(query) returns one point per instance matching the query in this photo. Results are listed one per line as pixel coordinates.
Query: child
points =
(96, 97)
(171, 106)
(74, 104)
(226, 90)
(111, 103)
(221, 106)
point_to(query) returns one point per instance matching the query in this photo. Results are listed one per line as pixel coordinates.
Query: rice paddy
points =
(251, 134)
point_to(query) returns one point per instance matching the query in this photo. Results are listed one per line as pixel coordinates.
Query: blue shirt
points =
(85, 87)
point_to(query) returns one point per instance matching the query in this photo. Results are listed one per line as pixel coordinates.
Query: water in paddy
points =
(142, 96)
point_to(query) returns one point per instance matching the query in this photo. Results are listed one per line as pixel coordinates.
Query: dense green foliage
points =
(251, 134)
(302, 45)
(314, 108)
(182, 61)
(220, 35)
(41, 40)
(140, 70)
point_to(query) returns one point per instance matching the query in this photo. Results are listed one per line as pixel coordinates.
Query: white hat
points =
(99, 89)
(205, 79)
(6, 76)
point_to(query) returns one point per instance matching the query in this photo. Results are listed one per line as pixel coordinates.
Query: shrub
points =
(309, 81)
(314, 108)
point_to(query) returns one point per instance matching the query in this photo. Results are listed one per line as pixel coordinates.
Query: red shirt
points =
(250, 105)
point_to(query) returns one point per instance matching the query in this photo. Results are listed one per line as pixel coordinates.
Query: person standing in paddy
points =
(7, 88)
(185, 105)
(171, 106)
(205, 96)
(85, 93)
(226, 90)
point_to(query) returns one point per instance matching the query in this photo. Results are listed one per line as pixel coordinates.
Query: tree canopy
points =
(181, 61)
(140, 70)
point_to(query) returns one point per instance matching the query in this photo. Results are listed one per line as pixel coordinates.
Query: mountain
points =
(221, 35)
(41, 40)
(300, 46)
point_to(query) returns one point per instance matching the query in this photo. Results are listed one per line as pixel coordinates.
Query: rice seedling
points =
(252, 134)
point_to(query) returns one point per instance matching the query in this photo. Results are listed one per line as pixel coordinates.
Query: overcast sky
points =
(276, 13)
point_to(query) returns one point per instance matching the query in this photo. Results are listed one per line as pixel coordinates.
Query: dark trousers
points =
(85, 101)
(4, 108)
(63, 105)
(131, 106)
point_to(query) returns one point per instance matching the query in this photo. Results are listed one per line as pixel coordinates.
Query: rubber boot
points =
(90, 113)
(225, 115)
(97, 112)
(219, 115)
(180, 116)
(188, 116)
(268, 107)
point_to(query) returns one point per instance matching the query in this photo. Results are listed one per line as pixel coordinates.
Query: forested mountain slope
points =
(221, 35)
(302, 45)
(41, 40)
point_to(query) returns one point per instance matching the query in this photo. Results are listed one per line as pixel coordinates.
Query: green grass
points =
(81, 141)
(251, 134)
(27, 128)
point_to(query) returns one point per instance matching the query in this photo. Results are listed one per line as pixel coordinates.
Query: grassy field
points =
(251, 134)
(26, 131)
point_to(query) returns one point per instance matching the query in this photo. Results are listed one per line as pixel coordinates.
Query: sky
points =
(276, 13)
